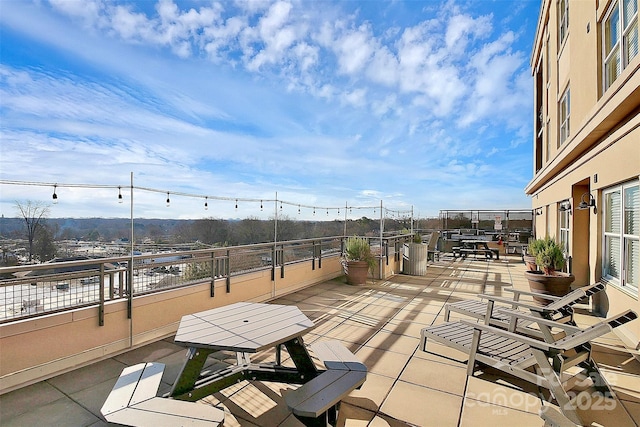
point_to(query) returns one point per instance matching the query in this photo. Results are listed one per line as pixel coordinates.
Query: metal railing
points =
(39, 289)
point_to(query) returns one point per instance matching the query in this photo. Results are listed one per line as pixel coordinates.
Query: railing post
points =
(228, 271)
(213, 274)
(273, 263)
(282, 261)
(101, 287)
(130, 288)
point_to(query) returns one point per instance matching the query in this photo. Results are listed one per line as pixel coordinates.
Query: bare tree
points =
(34, 215)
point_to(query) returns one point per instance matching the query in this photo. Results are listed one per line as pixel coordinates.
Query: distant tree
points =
(34, 215)
(44, 245)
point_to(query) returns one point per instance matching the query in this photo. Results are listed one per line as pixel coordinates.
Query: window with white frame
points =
(620, 34)
(621, 263)
(563, 227)
(565, 113)
(563, 20)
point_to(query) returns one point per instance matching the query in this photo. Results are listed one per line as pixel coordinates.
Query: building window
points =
(620, 38)
(564, 231)
(621, 264)
(563, 20)
(565, 112)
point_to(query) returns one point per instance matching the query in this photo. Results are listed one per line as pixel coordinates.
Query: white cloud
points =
(268, 92)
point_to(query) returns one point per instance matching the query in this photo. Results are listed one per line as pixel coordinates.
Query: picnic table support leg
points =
(329, 418)
(279, 354)
(196, 357)
(301, 359)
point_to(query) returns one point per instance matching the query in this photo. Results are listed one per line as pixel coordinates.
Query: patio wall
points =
(42, 347)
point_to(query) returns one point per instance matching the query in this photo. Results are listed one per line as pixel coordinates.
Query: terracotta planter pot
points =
(557, 284)
(357, 272)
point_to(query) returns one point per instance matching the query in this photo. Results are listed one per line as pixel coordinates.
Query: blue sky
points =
(422, 104)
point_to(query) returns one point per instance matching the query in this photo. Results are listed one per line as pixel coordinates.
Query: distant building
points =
(586, 157)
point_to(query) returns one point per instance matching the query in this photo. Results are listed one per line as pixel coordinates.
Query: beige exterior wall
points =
(603, 148)
(39, 348)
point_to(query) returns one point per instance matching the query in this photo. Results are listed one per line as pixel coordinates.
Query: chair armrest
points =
(570, 329)
(527, 305)
(535, 294)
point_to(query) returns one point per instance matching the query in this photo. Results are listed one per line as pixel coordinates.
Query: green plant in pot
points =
(359, 260)
(550, 258)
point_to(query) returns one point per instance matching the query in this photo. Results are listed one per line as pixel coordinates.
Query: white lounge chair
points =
(536, 361)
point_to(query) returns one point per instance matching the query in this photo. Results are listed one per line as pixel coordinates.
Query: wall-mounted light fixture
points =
(565, 205)
(587, 201)
(539, 211)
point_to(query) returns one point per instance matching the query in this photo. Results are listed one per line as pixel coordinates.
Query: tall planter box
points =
(416, 262)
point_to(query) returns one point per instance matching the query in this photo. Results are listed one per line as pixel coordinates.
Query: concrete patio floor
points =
(380, 322)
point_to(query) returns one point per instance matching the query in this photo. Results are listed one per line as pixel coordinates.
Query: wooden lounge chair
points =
(485, 308)
(539, 362)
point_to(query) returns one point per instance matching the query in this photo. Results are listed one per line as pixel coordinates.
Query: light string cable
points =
(206, 198)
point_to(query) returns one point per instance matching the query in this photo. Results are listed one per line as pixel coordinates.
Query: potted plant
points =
(549, 280)
(534, 246)
(359, 260)
(415, 263)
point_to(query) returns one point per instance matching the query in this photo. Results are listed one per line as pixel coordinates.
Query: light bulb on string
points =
(236, 204)
(168, 200)
(206, 204)
(54, 196)
(298, 209)
(119, 194)
(260, 204)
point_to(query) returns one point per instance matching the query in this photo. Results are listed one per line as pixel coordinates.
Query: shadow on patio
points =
(380, 322)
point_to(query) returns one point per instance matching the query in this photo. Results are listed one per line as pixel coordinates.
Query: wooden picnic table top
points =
(243, 327)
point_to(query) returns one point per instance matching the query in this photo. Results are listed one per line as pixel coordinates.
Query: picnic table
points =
(243, 328)
(475, 247)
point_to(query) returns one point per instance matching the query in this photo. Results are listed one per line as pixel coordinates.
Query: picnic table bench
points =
(133, 401)
(316, 402)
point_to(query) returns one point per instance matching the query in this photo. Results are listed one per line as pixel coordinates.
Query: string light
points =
(206, 205)
(168, 200)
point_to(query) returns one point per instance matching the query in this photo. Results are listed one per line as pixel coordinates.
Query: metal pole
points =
(411, 219)
(381, 233)
(346, 206)
(130, 292)
(275, 247)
